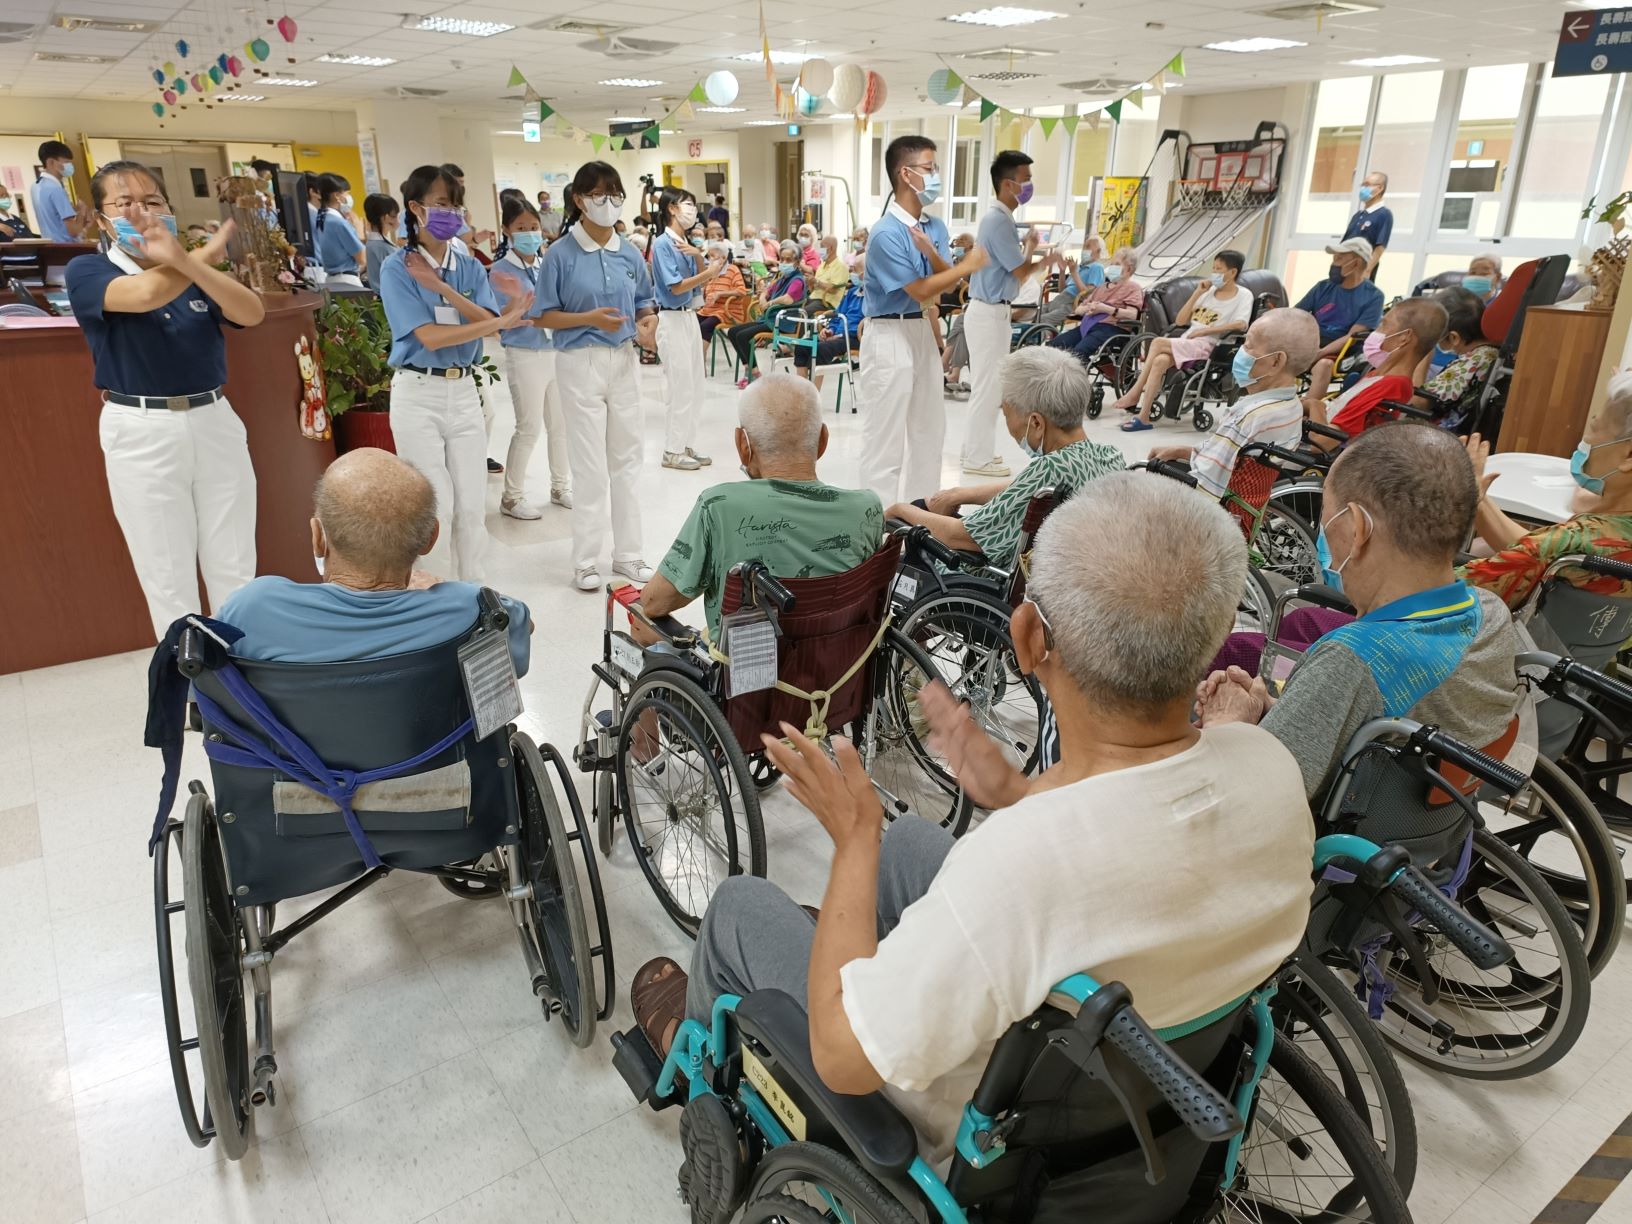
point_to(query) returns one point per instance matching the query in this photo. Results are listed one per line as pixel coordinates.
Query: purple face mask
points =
(443, 223)
(1025, 193)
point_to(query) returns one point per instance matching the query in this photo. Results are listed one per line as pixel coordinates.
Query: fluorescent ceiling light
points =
(1246, 45)
(294, 82)
(631, 82)
(357, 61)
(1389, 61)
(763, 123)
(455, 25)
(777, 57)
(668, 131)
(629, 119)
(508, 132)
(237, 97)
(842, 115)
(1003, 15)
(721, 110)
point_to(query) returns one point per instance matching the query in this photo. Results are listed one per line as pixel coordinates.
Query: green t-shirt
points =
(798, 528)
(995, 527)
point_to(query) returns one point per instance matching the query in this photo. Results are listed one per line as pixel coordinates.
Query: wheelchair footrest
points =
(640, 1065)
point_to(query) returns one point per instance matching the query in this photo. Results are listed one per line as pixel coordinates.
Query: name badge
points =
(447, 316)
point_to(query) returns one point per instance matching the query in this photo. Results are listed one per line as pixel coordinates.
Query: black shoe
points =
(494, 467)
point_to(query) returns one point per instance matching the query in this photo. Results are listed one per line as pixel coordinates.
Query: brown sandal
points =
(657, 995)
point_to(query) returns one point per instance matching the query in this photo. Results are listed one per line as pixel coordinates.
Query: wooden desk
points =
(68, 590)
(1553, 379)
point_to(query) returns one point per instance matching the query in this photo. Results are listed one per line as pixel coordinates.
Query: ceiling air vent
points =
(63, 57)
(16, 31)
(108, 25)
(1100, 85)
(1317, 9)
(576, 25)
(1002, 53)
(621, 47)
(1006, 76)
(418, 91)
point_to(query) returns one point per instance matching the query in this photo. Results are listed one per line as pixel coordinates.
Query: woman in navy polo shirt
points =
(595, 295)
(179, 474)
(439, 305)
(338, 245)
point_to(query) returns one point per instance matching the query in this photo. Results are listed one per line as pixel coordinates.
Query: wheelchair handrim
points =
(894, 751)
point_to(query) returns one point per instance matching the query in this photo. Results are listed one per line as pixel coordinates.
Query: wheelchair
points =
(1082, 1112)
(317, 786)
(678, 753)
(1191, 387)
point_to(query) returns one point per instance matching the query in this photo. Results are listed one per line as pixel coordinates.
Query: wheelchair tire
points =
(474, 892)
(1565, 839)
(893, 743)
(606, 811)
(762, 773)
(1293, 1095)
(805, 1181)
(164, 910)
(215, 972)
(1257, 604)
(1287, 545)
(1332, 1030)
(553, 931)
(1530, 1011)
(1130, 358)
(1202, 419)
(1037, 333)
(966, 636)
(592, 874)
(693, 717)
(1096, 400)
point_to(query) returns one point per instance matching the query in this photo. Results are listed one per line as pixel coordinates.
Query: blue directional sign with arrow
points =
(1594, 43)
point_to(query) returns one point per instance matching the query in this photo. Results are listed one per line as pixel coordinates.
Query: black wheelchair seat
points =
(777, 1030)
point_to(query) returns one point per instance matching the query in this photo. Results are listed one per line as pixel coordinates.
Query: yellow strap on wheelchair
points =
(820, 699)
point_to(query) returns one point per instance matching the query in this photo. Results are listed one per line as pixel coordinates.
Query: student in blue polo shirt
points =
(1345, 304)
(907, 266)
(529, 365)
(54, 212)
(179, 473)
(678, 277)
(338, 246)
(440, 306)
(595, 295)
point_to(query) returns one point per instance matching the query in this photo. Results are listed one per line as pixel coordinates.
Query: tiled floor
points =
(418, 1080)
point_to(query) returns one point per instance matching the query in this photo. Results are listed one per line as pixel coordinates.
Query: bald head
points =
(1417, 483)
(1424, 318)
(783, 419)
(1286, 330)
(377, 512)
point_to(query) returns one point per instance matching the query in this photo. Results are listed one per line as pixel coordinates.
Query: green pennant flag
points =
(953, 80)
(1176, 64)
(1048, 124)
(627, 144)
(515, 77)
(697, 93)
(596, 140)
(987, 108)
(652, 133)
(545, 110)
(1069, 123)
(1114, 110)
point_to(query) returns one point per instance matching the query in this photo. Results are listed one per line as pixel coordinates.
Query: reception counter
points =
(68, 590)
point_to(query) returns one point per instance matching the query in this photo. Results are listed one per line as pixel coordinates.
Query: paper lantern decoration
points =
(215, 74)
(816, 76)
(179, 85)
(805, 102)
(158, 75)
(169, 70)
(222, 61)
(257, 49)
(288, 28)
(720, 88)
(872, 95)
(942, 90)
(158, 109)
(235, 65)
(182, 48)
(848, 83)
(169, 96)
(193, 81)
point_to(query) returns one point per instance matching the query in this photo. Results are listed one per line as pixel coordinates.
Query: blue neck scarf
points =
(1413, 644)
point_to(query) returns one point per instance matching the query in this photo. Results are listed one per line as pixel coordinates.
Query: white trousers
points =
(904, 418)
(600, 401)
(183, 490)
(438, 427)
(987, 331)
(680, 348)
(530, 374)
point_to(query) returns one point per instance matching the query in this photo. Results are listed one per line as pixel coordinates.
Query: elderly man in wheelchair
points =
(355, 726)
(905, 1020)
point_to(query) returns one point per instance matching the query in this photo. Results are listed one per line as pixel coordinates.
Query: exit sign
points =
(793, 129)
(530, 131)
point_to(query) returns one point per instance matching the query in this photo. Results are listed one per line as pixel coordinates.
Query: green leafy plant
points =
(1611, 212)
(353, 341)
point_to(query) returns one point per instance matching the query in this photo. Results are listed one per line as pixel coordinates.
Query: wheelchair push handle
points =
(1474, 939)
(1609, 567)
(1487, 768)
(494, 614)
(1172, 470)
(767, 590)
(920, 539)
(190, 660)
(1562, 672)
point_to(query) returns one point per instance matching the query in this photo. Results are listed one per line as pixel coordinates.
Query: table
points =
(1553, 379)
(1535, 487)
(69, 591)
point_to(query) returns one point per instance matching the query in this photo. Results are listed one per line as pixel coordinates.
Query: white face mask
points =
(687, 215)
(322, 566)
(604, 213)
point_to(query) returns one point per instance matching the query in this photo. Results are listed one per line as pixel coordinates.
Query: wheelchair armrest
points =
(675, 632)
(1324, 431)
(1322, 595)
(1410, 410)
(874, 1130)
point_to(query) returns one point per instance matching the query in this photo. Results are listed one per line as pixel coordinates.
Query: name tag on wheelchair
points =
(1276, 665)
(627, 655)
(905, 589)
(750, 642)
(490, 681)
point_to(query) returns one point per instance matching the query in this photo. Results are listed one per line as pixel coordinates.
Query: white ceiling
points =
(904, 40)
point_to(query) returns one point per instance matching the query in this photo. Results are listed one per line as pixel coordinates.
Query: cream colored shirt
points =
(1187, 880)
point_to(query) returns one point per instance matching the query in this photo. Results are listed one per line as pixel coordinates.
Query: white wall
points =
(250, 121)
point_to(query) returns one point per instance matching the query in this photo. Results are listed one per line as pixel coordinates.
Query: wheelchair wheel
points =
(1096, 400)
(804, 1182)
(691, 810)
(1202, 419)
(1257, 604)
(762, 773)
(1332, 1030)
(1287, 545)
(1564, 838)
(1507, 1022)
(471, 890)
(1131, 356)
(1306, 1155)
(966, 636)
(606, 811)
(215, 944)
(1037, 333)
(894, 745)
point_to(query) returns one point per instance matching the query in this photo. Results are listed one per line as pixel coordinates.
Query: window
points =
(1089, 154)
(1400, 146)
(1340, 122)
(1046, 155)
(1553, 184)
(1482, 150)
(969, 168)
(875, 181)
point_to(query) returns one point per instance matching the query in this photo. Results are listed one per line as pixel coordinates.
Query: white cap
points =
(1351, 246)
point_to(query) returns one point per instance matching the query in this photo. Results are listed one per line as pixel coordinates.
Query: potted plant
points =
(1607, 265)
(355, 340)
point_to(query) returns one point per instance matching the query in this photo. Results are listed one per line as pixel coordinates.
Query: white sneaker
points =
(521, 508)
(635, 571)
(993, 467)
(673, 459)
(587, 579)
(702, 460)
(562, 498)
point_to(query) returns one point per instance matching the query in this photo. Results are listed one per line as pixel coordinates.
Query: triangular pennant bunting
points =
(1114, 110)
(545, 110)
(969, 95)
(652, 133)
(1069, 123)
(515, 77)
(1048, 123)
(697, 94)
(596, 140)
(1158, 85)
(531, 95)
(1176, 64)
(685, 110)
(1094, 119)
(987, 108)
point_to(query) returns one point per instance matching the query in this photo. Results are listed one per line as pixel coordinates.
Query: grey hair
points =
(1134, 634)
(1415, 480)
(1618, 404)
(1048, 381)
(378, 512)
(782, 416)
(1380, 175)
(719, 246)
(1495, 260)
(1291, 331)
(1128, 255)
(787, 245)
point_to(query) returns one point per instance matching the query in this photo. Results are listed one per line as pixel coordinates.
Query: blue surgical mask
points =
(1218, 279)
(67, 169)
(1578, 465)
(1032, 452)
(931, 190)
(130, 238)
(1332, 575)
(1476, 284)
(1365, 193)
(1241, 368)
(788, 269)
(528, 242)
(1113, 272)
